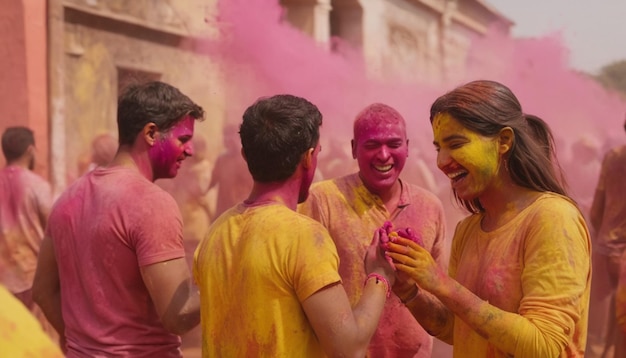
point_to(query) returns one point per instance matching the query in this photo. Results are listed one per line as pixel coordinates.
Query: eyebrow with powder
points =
(450, 138)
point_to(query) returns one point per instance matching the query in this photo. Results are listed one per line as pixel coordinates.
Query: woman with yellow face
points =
(519, 273)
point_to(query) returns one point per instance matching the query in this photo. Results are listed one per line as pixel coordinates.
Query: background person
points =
(25, 201)
(229, 175)
(608, 219)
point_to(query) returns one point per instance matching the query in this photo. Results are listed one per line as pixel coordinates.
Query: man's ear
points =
(307, 158)
(31, 149)
(150, 133)
(243, 155)
(506, 137)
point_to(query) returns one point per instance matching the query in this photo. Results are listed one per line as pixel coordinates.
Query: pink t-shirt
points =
(104, 228)
(25, 200)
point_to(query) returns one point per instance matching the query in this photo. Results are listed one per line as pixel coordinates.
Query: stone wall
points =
(104, 45)
(23, 70)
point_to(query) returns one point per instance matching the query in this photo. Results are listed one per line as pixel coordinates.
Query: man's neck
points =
(20, 162)
(284, 193)
(391, 196)
(140, 162)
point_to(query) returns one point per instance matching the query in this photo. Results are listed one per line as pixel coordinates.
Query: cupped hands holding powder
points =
(388, 234)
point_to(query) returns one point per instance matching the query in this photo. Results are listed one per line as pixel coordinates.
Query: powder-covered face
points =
(470, 160)
(171, 148)
(380, 148)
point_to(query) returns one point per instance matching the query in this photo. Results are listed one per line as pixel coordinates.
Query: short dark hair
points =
(275, 133)
(152, 102)
(15, 142)
(486, 107)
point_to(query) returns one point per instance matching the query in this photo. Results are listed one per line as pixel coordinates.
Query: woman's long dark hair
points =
(486, 107)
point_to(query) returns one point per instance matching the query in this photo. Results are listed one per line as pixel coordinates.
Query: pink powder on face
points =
(379, 144)
(172, 148)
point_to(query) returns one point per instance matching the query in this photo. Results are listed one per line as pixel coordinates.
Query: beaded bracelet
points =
(380, 278)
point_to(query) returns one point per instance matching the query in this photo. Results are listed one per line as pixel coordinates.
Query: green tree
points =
(613, 76)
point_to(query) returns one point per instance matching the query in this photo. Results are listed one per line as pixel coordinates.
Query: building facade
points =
(424, 40)
(65, 61)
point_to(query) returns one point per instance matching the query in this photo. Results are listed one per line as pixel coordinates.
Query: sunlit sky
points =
(594, 31)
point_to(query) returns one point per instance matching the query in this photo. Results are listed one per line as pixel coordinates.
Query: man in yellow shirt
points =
(22, 335)
(268, 279)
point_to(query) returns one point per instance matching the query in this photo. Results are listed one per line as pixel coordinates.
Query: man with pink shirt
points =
(25, 201)
(354, 206)
(112, 276)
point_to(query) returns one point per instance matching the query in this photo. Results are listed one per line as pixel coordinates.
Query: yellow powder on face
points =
(437, 121)
(440, 125)
(477, 151)
(447, 129)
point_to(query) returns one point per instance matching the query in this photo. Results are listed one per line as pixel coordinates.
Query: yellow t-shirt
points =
(254, 268)
(20, 333)
(538, 266)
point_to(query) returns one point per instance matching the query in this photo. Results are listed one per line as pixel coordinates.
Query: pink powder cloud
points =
(260, 55)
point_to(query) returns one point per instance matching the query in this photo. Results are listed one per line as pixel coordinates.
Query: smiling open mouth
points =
(383, 168)
(456, 176)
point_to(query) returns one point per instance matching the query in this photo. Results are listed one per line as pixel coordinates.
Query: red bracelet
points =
(380, 278)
